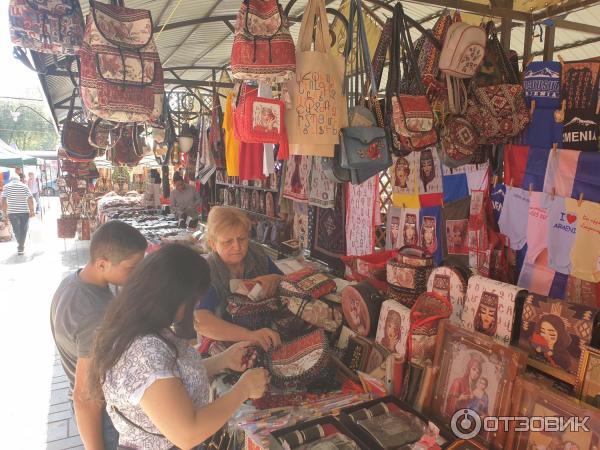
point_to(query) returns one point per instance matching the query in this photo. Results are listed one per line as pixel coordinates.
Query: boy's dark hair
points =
(177, 177)
(116, 241)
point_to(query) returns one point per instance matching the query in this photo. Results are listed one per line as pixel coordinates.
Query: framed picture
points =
(393, 327)
(588, 377)
(533, 401)
(473, 372)
(554, 332)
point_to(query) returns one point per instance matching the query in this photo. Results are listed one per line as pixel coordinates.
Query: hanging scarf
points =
(256, 263)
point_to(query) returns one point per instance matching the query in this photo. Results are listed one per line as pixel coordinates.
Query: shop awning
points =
(9, 157)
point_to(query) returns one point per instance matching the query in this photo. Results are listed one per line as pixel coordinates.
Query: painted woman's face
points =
(401, 174)
(427, 166)
(355, 313)
(487, 316)
(474, 373)
(395, 230)
(428, 236)
(549, 333)
(392, 331)
(410, 234)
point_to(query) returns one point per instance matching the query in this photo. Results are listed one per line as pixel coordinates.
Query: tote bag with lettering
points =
(318, 109)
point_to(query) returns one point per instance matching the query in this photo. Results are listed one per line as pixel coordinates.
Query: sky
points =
(15, 79)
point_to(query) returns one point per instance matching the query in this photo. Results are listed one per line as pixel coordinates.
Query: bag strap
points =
(133, 424)
(315, 11)
(505, 65)
(407, 45)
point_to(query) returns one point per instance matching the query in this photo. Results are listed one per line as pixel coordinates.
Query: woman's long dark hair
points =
(174, 275)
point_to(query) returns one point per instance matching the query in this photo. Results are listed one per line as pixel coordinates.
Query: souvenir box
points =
(531, 401)
(393, 327)
(491, 307)
(362, 420)
(473, 372)
(409, 270)
(299, 429)
(361, 305)
(555, 332)
(452, 284)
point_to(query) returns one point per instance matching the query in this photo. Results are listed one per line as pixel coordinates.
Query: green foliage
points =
(30, 131)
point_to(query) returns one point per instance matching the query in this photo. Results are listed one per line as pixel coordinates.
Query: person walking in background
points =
(17, 206)
(34, 188)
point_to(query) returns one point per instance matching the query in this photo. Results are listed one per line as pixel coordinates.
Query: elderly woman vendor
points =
(233, 256)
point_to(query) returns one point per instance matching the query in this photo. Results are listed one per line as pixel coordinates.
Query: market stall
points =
(436, 197)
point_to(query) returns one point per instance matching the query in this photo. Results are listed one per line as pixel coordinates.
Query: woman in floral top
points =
(155, 385)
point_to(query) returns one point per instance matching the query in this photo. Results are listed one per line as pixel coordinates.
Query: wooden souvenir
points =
(555, 332)
(474, 372)
(419, 431)
(533, 400)
(393, 327)
(588, 377)
(490, 308)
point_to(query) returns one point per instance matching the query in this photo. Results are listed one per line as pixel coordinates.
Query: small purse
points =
(66, 227)
(409, 270)
(252, 314)
(301, 362)
(74, 137)
(306, 283)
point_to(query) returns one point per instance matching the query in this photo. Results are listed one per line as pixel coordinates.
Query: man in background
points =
(184, 202)
(34, 188)
(17, 206)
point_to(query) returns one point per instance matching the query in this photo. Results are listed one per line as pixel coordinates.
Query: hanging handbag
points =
(412, 117)
(409, 270)
(263, 48)
(53, 26)
(259, 119)
(463, 50)
(66, 227)
(121, 73)
(74, 137)
(129, 149)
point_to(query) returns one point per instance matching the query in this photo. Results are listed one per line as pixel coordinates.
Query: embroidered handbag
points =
(128, 150)
(306, 283)
(74, 137)
(53, 26)
(498, 112)
(263, 48)
(409, 270)
(413, 120)
(459, 141)
(259, 119)
(252, 314)
(450, 283)
(425, 316)
(66, 227)
(463, 50)
(301, 362)
(121, 73)
(316, 312)
(371, 268)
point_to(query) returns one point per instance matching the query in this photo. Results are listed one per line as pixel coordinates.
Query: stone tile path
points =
(35, 412)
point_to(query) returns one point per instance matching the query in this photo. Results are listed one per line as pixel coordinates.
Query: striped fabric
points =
(16, 194)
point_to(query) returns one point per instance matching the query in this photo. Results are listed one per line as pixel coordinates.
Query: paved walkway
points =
(35, 412)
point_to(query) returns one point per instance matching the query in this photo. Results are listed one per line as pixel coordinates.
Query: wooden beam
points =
(570, 45)
(528, 41)
(550, 31)
(170, 69)
(231, 27)
(505, 32)
(192, 22)
(566, 7)
(581, 27)
(38, 63)
(476, 8)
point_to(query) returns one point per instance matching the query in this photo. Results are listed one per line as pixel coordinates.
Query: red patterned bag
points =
(306, 283)
(259, 119)
(459, 141)
(121, 73)
(498, 112)
(51, 26)
(263, 48)
(425, 316)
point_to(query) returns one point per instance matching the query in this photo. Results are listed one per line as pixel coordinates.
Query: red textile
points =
(515, 163)
(251, 161)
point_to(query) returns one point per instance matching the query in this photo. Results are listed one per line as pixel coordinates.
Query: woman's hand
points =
(266, 338)
(240, 356)
(269, 284)
(254, 382)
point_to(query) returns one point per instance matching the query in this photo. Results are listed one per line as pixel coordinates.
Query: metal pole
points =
(527, 43)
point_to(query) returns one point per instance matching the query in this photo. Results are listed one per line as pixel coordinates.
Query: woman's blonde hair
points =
(223, 217)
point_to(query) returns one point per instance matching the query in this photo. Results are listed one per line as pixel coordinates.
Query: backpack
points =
(263, 48)
(52, 26)
(117, 44)
(463, 50)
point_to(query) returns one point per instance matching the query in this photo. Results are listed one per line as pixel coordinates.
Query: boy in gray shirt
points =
(77, 310)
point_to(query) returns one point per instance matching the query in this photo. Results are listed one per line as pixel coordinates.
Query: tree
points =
(30, 131)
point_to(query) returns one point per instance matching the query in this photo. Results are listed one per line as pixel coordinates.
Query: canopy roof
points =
(9, 157)
(194, 37)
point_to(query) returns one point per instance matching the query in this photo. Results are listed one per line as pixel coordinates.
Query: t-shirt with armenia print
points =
(149, 358)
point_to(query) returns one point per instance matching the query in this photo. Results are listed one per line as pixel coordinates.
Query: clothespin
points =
(598, 106)
(403, 205)
(553, 192)
(532, 108)
(512, 180)
(560, 58)
(554, 147)
(530, 188)
(495, 180)
(580, 199)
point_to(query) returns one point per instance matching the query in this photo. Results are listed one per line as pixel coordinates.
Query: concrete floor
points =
(35, 413)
